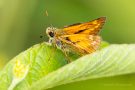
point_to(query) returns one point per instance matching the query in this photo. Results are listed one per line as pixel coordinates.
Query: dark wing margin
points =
(72, 25)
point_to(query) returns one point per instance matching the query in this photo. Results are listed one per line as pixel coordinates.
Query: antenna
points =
(46, 13)
(48, 20)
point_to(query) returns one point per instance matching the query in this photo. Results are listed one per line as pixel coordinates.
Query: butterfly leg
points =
(59, 45)
(63, 48)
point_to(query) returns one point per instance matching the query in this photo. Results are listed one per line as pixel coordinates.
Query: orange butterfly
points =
(82, 38)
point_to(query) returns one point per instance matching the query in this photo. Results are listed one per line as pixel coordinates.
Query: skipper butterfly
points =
(82, 38)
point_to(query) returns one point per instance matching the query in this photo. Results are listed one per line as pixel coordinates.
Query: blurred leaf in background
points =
(3, 60)
(23, 21)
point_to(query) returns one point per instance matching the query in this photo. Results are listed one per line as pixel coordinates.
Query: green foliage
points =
(30, 66)
(37, 67)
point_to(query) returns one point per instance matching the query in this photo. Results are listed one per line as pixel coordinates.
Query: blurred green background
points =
(23, 21)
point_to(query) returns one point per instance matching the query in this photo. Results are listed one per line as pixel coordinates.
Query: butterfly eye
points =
(51, 34)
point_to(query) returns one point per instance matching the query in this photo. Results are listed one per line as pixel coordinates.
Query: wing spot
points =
(67, 38)
(79, 31)
(91, 37)
(94, 43)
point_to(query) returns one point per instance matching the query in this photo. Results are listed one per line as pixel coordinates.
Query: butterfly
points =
(82, 38)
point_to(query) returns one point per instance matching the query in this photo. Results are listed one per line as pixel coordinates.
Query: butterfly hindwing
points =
(82, 43)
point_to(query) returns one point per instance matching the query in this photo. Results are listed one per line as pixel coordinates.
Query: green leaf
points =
(103, 44)
(37, 67)
(30, 66)
(111, 61)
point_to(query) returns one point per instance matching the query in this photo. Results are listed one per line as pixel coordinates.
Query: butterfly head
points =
(50, 31)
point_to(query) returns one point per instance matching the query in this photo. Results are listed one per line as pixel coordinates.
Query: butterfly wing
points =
(92, 27)
(82, 37)
(82, 43)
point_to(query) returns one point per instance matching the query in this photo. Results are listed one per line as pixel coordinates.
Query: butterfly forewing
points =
(92, 27)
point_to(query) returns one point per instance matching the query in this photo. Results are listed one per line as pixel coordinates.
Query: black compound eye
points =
(51, 34)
